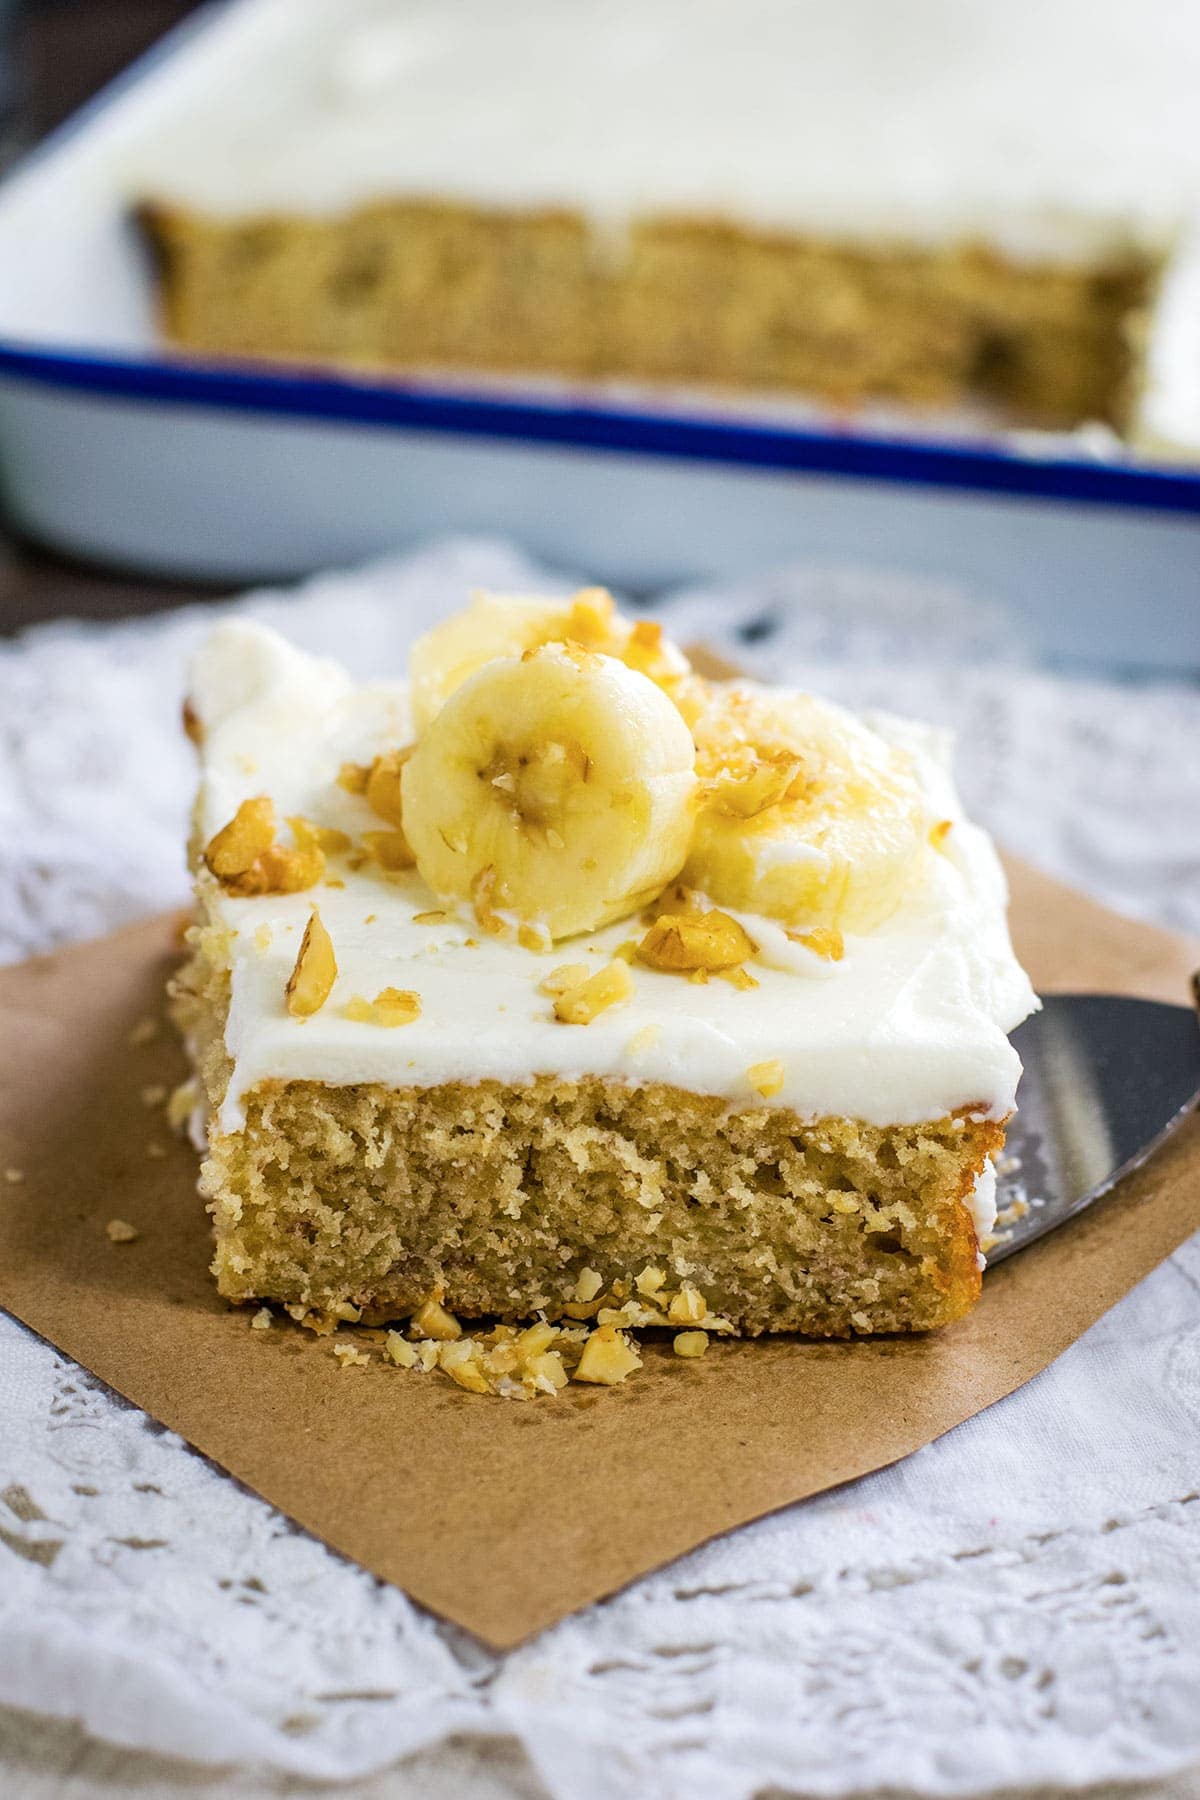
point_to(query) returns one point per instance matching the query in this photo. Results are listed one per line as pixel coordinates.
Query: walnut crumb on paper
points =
(261, 1320)
(120, 1231)
(350, 1356)
(143, 1032)
(154, 1094)
(14, 1175)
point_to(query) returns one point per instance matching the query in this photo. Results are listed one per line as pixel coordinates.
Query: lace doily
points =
(1018, 1603)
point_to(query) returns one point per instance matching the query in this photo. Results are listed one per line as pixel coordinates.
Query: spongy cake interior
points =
(494, 1197)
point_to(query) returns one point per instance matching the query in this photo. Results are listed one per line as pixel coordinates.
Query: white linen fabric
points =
(1017, 1604)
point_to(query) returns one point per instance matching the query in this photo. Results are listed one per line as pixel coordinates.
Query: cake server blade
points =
(1106, 1079)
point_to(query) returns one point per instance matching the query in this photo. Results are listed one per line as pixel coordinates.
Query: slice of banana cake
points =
(559, 981)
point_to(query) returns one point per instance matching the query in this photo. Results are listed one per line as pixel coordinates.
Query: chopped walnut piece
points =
(581, 1004)
(588, 1285)
(435, 916)
(822, 940)
(608, 1357)
(350, 1356)
(535, 1338)
(248, 862)
(565, 977)
(739, 978)
(390, 849)
(182, 1104)
(459, 1360)
(382, 789)
(648, 651)
(354, 777)
(391, 1006)
(766, 1078)
(483, 895)
(690, 1343)
(752, 781)
(239, 844)
(590, 620)
(431, 1320)
(685, 942)
(940, 832)
(688, 1306)
(326, 838)
(650, 1281)
(401, 1352)
(120, 1231)
(534, 937)
(311, 981)
(547, 1372)
(633, 1314)
(261, 1320)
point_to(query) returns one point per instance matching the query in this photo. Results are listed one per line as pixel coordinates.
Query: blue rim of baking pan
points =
(595, 426)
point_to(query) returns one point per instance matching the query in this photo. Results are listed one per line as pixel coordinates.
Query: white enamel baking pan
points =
(114, 450)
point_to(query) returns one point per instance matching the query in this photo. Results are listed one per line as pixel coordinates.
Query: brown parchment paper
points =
(504, 1517)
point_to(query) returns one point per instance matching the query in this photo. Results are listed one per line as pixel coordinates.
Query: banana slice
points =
(556, 789)
(805, 814)
(496, 625)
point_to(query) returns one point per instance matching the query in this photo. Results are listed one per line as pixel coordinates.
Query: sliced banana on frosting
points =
(554, 790)
(498, 625)
(805, 814)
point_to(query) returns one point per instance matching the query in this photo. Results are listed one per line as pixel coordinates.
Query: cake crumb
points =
(690, 1343)
(261, 1320)
(154, 1094)
(143, 1032)
(120, 1231)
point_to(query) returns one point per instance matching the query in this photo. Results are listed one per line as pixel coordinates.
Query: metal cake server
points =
(1106, 1079)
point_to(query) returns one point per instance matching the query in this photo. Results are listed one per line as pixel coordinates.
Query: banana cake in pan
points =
(557, 983)
(855, 204)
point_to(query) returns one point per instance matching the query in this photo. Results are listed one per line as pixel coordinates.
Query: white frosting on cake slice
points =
(910, 1025)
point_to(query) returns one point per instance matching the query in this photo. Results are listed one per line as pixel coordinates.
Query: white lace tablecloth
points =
(1017, 1604)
